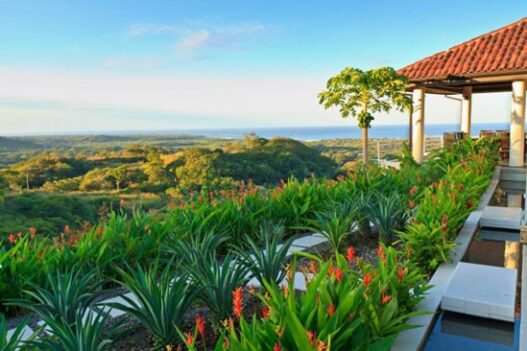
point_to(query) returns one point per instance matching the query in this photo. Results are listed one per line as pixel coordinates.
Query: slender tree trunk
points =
(365, 145)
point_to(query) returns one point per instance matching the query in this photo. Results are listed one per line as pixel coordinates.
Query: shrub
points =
(161, 301)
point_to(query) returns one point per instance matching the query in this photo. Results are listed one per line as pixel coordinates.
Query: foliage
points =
(161, 301)
(15, 340)
(336, 224)
(360, 94)
(342, 309)
(87, 333)
(69, 294)
(388, 214)
(216, 281)
(267, 263)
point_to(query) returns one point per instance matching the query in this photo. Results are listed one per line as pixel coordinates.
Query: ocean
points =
(320, 133)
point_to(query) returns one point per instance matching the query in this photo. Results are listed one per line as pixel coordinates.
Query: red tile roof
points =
(501, 50)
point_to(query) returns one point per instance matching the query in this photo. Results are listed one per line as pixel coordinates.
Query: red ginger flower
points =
(385, 298)
(331, 310)
(265, 312)
(413, 190)
(411, 204)
(461, 187)
(189, 339)
(444, 220)
(11, 238)
(350, 254)
(400, 274)
(200, 323)
(367, 279)
(338, 274)
(237, 299)
(312, 336)
(277, 347)
(381, 254)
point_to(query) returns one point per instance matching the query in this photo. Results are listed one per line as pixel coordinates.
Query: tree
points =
(360, 94)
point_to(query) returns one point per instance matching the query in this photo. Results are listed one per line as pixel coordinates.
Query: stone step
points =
(27, 332)
(482, 291)
(502, 217)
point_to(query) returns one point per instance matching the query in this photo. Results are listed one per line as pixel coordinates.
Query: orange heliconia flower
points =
(381, 253)
(367, 279)
(265, 312)
(11, 238)
(189, 339)
(400, 274)
(312, 336)
(338, 274)
(331, 309)
(200, 324)
(385, 298)
(350, 254)
(237, 299)
(313, 268)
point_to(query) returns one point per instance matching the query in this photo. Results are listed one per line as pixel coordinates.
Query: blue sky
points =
(107, 65)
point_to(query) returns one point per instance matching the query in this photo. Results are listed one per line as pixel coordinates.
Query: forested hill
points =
(11, 144)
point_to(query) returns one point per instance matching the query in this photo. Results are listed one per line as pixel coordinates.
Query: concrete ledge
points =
(415, 339)
(523, 302)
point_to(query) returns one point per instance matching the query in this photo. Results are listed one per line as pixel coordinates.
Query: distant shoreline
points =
(298, 133)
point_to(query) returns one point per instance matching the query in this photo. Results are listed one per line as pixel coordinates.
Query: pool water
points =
(458, 332)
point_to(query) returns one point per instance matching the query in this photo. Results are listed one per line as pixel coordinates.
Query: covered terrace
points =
(492, 62)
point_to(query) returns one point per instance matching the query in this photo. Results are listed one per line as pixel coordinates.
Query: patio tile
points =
(309, 241)
(502, 217)
(483, 291)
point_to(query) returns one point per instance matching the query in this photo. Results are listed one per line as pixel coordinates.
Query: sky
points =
(98, 65)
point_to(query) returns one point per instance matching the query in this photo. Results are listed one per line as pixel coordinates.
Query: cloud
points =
(145, 29)
(196, 40)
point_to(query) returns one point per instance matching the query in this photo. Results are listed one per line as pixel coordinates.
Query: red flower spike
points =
(411, 204)
(338, 274)
(265, 312)
(312, 336)
(237, 299)
(385, 298)
(331, 310)
(350, 254)
(367, 279)
(200, 324)
(189, 339)
(277, 347)
(400, 274)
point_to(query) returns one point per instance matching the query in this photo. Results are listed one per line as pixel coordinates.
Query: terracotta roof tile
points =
(500, 50)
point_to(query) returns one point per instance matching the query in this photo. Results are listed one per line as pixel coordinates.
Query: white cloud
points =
(193, 40)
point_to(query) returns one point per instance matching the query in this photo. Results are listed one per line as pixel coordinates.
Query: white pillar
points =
(466, 110)
(517, 139)
(418, 124)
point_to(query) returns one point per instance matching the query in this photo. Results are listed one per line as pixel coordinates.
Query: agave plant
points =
(88, 334)
(266, 263)
(161, 300)
(190, 248)
(14, 341)
(70, 293)
(388, 214)
(335, 224)
(216, 281)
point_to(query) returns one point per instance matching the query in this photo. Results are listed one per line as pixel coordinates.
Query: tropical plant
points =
(335, 224)
(69, 294)
(342, 309)
(388, 213)
(216, 281)
(362, 93)
(267, 263)
(160, 301)
(88, 334)
(14, 341)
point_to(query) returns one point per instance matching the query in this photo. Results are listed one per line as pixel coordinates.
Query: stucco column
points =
(517, 157)
(418, 130)
(466, 110)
